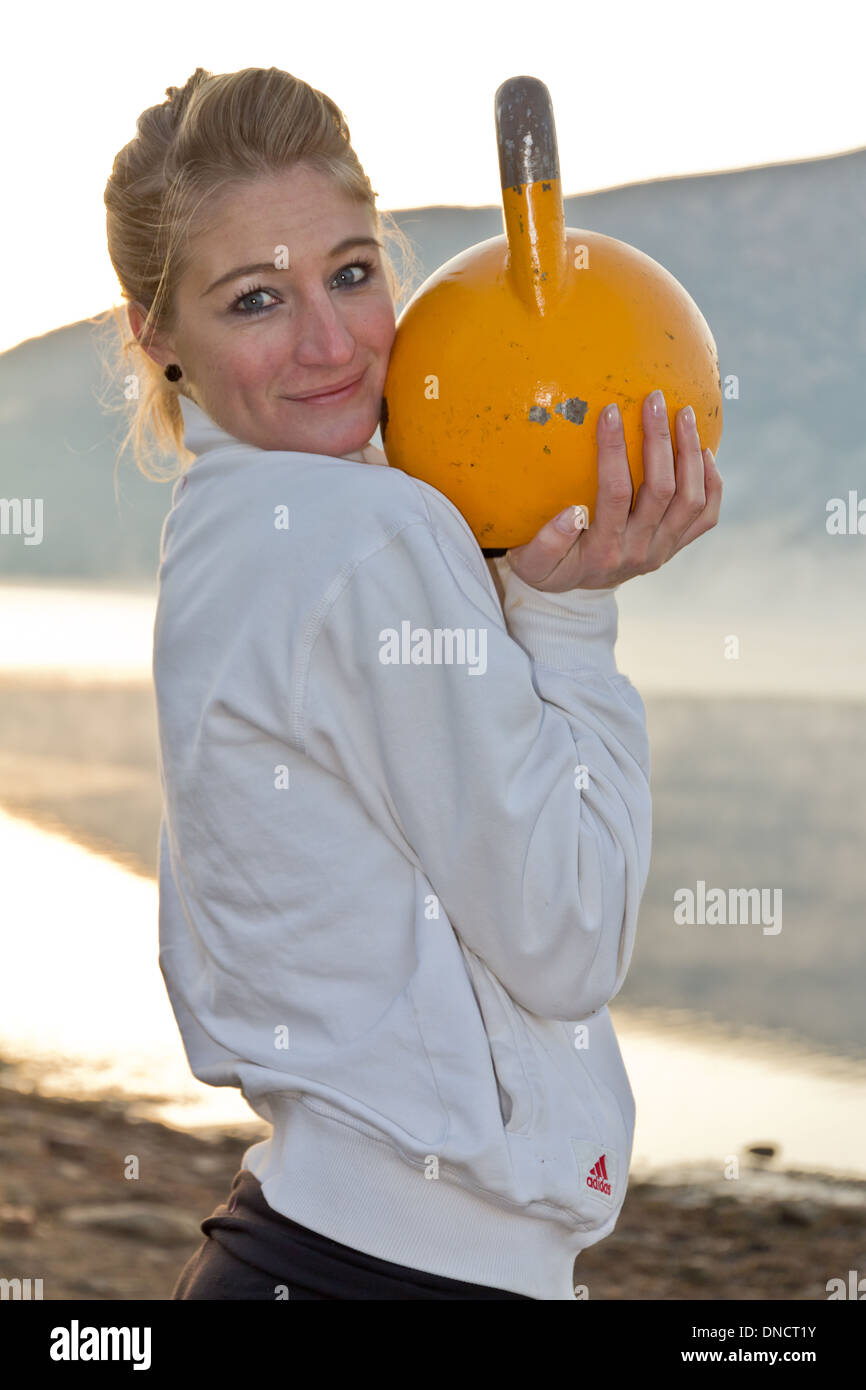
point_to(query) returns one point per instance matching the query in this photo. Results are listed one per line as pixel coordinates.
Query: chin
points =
(344, 436)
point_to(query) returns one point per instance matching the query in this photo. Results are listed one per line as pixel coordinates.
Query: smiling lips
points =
(330, 397)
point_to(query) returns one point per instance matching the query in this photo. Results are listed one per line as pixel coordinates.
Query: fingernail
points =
(611, 415)
(688, 417)
(572, 520)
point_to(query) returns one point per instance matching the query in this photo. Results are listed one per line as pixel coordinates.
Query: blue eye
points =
(255, 292)
(366, 266)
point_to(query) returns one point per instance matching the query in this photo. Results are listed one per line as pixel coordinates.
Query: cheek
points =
(381, 332)
(248, 360)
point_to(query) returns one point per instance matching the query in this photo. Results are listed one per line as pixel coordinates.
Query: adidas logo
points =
(597, 1177)
(599, 1174)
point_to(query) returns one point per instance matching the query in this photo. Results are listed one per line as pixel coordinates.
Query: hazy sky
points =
(668, 89)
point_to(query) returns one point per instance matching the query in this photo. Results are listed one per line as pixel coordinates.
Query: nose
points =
(321, 336)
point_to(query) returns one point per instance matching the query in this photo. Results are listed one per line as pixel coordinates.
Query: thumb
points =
(536, 561)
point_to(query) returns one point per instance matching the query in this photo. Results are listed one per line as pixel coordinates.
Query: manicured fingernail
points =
(688, 417)
(656, 401)
(572, 520)
(611, 415)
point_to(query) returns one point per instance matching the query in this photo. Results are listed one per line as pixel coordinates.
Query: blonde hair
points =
(211, 135)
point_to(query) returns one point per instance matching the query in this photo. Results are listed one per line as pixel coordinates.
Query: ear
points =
(158, 349)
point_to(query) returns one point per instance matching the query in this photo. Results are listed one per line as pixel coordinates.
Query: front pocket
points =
(501, 1025)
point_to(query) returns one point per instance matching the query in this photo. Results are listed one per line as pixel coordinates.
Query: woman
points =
(397, 890)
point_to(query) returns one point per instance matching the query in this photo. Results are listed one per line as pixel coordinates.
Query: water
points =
(78, 631)
(667, 643)
(84, 1008)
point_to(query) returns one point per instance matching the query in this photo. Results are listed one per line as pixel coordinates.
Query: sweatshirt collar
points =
(202, 435)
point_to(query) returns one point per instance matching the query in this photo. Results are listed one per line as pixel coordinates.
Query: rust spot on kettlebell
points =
(573, 410)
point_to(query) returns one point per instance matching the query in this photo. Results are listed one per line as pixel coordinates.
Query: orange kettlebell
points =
(505, 356)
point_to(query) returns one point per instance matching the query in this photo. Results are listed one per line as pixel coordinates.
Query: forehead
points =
(301, 208)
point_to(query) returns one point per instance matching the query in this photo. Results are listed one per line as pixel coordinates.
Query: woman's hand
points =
(670, 511)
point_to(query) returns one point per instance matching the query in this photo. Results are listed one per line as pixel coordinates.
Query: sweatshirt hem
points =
(334, 1179)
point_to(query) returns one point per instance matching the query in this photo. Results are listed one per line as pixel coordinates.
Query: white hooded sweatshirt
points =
(405, 837)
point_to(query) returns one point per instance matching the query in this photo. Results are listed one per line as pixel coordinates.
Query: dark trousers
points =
(251, 1251)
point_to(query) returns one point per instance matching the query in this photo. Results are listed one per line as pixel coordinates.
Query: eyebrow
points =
(265, 267)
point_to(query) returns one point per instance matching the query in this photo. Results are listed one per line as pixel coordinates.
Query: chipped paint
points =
(574, 410)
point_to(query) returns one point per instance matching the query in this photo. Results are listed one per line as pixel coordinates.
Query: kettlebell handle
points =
(525, 132)
(532, 209)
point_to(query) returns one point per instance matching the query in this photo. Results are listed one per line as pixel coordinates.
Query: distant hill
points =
(774, 256)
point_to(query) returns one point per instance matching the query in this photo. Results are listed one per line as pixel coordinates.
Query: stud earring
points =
(173, 372)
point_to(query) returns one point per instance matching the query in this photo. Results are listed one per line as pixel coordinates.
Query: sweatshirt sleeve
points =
(515, 776)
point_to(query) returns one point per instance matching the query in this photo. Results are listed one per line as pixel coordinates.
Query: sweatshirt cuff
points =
(569, 631)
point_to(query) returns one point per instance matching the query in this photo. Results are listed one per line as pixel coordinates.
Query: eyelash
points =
(366, 265)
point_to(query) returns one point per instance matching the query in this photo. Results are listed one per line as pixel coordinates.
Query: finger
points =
(536, 561)
(710, 514)
(659, 485)
(605, 537)
(690, 498)
(615, 487)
